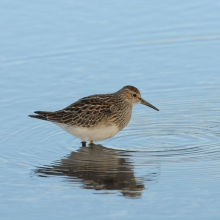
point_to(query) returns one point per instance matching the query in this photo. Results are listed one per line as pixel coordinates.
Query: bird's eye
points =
(134, 95)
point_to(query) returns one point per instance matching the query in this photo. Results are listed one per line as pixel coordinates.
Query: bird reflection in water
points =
(99, 168)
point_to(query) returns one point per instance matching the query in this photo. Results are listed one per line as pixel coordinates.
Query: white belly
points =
(96, 133)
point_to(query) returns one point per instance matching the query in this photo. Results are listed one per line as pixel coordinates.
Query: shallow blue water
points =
(163, 165)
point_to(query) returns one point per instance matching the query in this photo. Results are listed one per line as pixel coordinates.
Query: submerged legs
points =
(84, 143)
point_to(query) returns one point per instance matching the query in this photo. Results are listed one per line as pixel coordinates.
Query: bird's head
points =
(133, 96)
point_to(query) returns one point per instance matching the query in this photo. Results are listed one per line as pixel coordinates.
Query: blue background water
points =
(55, 52)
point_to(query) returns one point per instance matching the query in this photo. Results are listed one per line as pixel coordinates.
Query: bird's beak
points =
(147, 104)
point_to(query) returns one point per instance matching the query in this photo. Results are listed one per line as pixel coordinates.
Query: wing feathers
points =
(86, 112)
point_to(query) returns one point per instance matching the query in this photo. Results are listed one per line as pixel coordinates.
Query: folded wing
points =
(86, 112)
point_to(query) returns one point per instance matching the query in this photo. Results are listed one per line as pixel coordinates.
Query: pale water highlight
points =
(163, 165)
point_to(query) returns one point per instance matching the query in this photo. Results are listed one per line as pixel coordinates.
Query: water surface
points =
(163, 165)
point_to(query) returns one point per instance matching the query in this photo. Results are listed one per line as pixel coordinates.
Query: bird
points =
(97, 117)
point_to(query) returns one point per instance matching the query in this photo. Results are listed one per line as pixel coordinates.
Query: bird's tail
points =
(43, 115)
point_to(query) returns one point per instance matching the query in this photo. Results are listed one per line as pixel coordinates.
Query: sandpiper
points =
(97, 117)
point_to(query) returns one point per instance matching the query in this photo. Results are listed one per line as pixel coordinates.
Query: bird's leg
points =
(83, 143)
(91, 144)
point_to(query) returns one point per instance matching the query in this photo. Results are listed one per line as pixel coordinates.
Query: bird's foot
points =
(91, 143)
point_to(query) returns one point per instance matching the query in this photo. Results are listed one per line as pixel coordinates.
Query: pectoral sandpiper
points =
(96, 117)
